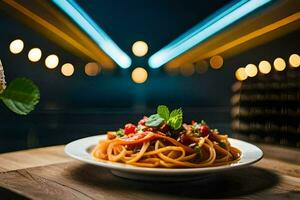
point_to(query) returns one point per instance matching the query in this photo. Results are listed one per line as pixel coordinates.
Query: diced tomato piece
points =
(129, 128)
(137, 138)
(204, 130)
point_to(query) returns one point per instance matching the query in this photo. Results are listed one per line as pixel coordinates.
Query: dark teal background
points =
(78, 106)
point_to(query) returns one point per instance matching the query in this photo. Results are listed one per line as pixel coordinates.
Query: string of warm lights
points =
(35, 55)
(139, 48)
(92, 69)
(16, 46)
(52, 61)
(139, 75)
(264, 67)
(215, 62)
(67, 69)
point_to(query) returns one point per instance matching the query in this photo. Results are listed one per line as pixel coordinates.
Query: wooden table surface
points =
(47, 173)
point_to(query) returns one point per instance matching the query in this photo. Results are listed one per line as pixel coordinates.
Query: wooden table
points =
(47, 173)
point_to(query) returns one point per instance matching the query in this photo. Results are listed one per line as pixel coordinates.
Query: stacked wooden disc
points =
(266, 108)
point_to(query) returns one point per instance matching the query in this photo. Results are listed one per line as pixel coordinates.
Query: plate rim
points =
(147, 170)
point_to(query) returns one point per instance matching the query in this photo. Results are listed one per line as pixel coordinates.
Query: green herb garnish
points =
(163, 112)
(154, 120)
(195, 129)
(173, 119)
(120, 133)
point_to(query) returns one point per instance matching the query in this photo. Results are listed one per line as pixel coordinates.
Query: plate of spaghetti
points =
(162, 147)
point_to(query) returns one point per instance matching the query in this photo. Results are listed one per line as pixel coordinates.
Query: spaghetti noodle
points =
(189, 146)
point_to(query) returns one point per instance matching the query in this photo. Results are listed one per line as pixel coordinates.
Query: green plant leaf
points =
(21, 96)
(175, 122)
(154, 120)
(163, 111)
(176, 118)
(176, 112)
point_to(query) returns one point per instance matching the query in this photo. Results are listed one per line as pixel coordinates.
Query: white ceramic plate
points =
(80, 150)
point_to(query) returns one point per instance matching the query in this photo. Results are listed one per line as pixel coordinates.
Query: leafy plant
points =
(173, 119)
(20, 96)
(163, 111)
(154, 120)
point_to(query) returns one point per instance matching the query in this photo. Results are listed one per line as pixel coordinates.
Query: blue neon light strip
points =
(204, 30)
(86, 23)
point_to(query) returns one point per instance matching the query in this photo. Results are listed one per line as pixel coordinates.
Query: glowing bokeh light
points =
(140, 48)
(251, 70)
(92, 69)
(172, 71)
(240, 74)
(51, 61)
(16, 46)
(294, 60)
(279, 64)
(94, 31)
(201, 67)
(264, 67)
(139, 75)
(67, 69)
(187, 69)
(34, 54)
(216, 62)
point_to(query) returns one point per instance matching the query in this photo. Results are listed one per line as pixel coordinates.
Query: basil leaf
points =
(163, 111)
(154, 120)
(175, 122)
(176, 112)
(21, 96)
(176, 118)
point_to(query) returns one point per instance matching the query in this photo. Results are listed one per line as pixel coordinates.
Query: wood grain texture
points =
(286, 154)
(32, 158)
(48, 174)
(75, 180)
(280, 167)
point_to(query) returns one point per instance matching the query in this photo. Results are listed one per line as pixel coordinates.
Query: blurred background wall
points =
(81, 105)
